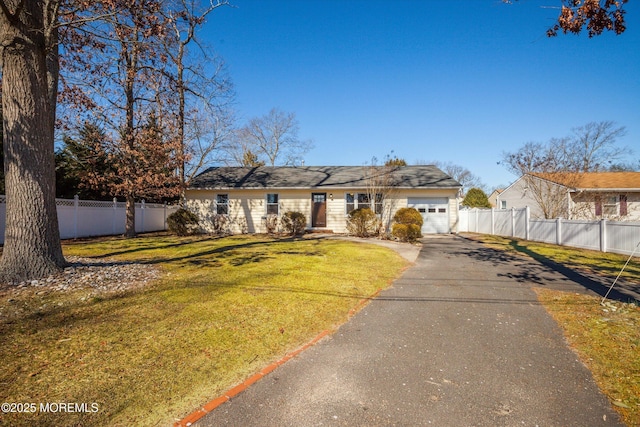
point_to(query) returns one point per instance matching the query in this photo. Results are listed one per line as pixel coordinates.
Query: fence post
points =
(142, 214)
(113, 217)
(513, 222)
(603, 235)
(493, 221)
(165, 217)
(527, 222)
(76, 203)
(559, 231)
(477, 220)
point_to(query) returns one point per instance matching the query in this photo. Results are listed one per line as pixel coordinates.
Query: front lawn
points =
(222, 309)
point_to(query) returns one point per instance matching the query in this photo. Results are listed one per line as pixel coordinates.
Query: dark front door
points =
(319, 209)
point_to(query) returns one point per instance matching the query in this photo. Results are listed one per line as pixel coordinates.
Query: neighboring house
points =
(244, 199)
(590, 195)
(493, 198)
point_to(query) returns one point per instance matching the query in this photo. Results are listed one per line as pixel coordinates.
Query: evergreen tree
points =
(81, 163)
(476, 198)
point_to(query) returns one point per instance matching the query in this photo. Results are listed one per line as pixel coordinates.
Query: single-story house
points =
(243, 199)
(584, 195)
(493, 197)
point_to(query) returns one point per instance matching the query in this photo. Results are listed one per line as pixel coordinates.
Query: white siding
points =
(247, 208)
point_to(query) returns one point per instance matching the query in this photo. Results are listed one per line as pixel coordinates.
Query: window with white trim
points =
(222, 204)
(273, 207)
(361, 201)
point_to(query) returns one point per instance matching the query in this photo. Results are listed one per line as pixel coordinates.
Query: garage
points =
(434, 211)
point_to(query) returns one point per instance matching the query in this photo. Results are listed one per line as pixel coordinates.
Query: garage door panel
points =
(434, 211)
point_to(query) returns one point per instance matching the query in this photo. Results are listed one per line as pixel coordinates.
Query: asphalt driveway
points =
(459, 340)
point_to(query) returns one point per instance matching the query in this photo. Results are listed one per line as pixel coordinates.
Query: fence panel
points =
(484, 221)
(622, 237)
(543, 230)
(612, 236)
(463, 219)
(520, 223)
(503, 222)
(581, 234)
(86, 218)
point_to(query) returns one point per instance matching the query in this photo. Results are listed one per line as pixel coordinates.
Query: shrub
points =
(406, 232)
(363, 222)
(221, 224)
(408, 216)
(182, 222)
(294, 223)
(271, 222)
(408, 224)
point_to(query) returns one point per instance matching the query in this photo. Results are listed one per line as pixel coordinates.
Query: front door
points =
(319, 209)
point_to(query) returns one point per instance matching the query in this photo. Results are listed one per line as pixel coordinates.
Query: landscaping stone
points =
(103, 275)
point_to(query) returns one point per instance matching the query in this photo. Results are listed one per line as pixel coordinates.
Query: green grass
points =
(222, 310)
(606, 337)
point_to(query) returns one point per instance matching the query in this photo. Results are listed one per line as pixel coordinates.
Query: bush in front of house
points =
(408, 223)
(294, 223)
(182, 222)
(271, 223)
(406, 232)
(362, 222)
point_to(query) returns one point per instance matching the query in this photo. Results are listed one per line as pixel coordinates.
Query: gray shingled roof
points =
(317, 177)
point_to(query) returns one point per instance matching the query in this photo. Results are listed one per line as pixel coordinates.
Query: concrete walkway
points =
(459, 340)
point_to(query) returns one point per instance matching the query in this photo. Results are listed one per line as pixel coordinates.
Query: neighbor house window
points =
(272, 204)
(222, 204)
(623, 205)
(503, 204)
(607, 206)
(363, 200)
(610, 207)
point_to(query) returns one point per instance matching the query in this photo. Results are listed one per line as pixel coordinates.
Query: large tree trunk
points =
(32, 240)
(130, 215)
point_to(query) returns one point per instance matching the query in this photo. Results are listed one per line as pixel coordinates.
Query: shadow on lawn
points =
(599, 285)
(153, 245)
(539, 270)
(238, 260)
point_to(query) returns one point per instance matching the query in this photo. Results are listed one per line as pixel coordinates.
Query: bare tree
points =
(273, 138)
(198, 135)
(207, 132)
(381, 187)
(593, 146)
(461, 174)
(589, 148)
(549, 169)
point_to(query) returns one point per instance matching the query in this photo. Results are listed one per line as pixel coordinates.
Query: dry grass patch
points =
(607, 338)
(223, 309)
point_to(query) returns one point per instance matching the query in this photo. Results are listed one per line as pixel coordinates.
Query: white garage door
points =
(435, 213)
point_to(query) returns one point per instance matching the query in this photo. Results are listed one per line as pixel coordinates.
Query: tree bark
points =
(130, 223)
(32, 246)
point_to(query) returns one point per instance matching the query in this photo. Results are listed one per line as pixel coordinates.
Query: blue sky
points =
(453, 81)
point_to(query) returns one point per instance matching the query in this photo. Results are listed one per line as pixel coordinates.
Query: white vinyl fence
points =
(601, 235)
(85, 218)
